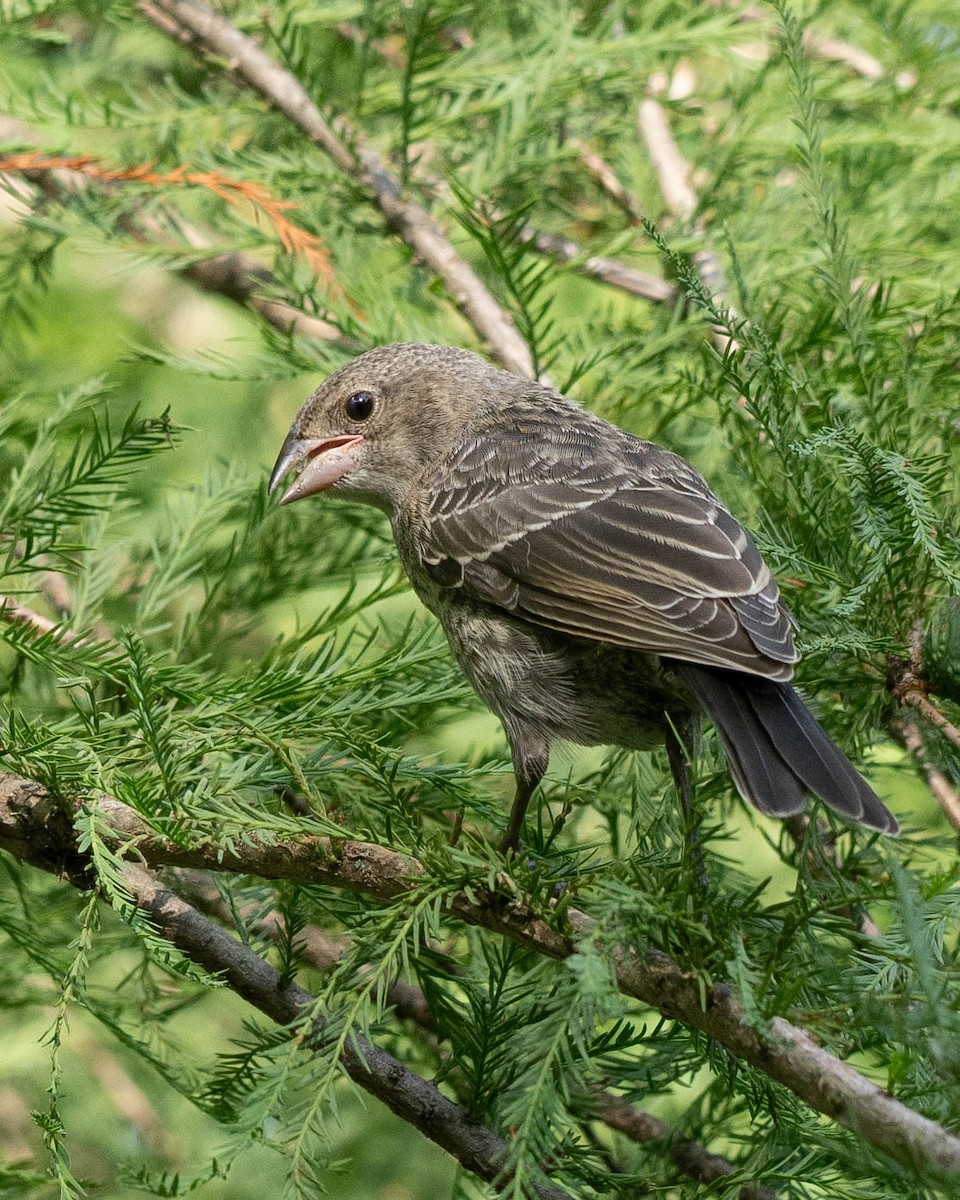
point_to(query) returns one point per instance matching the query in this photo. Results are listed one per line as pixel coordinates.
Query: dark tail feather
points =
(777, 751)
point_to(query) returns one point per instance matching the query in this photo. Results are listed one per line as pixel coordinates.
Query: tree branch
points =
(596, 266)
(606, 179)
(235, 276)
(15, 613)
(32, 826)
(205, 31)
(411, 1097)
(905, 683)
(818, 45)
(909, 736)
(322, 950)
(692, 1158)
(673, 174)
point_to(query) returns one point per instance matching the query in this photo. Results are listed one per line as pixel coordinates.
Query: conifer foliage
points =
(248, 805)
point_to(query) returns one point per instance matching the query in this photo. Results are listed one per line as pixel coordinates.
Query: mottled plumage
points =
(590, 584)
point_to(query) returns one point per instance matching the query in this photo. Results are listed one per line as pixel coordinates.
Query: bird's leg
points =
(681, 737)
(530, 761)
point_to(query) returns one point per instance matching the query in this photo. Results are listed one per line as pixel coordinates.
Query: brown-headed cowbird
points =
(590, 584)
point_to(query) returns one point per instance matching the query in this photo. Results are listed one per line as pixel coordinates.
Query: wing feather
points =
(578, 526)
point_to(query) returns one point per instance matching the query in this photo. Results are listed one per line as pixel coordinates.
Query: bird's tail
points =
(776, 750)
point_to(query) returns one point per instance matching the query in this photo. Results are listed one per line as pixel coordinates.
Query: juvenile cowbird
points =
(590, 584)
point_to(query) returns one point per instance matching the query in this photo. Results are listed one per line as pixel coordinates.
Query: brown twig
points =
(604, 270)
(19, 614)
(909, 736)
(14, 613)
(32, 827)
(691, 1157)
(674, 177)
(916, 699)
(906, 684)
(670, 167)
(319, 949)
(193, 23)
(53, 585)
(606, 178)
(834, 50)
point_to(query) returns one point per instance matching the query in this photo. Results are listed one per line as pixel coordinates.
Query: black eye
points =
(359, 406)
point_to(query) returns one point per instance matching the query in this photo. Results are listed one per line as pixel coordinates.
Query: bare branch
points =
(835, 50)
(32, 826)
(321, 950)
(19, 614)
(14, 613)
(817, 45)
(673, 174)
(906, 684)
(671, 168)
(607, 179)
(204, 30)
(604, 270)
(909, 736)
(916, 699)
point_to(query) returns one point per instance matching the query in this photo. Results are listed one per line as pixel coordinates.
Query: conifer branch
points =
(53, 585)
(14, 613)
(690, 1157)
(797, 828)
(33, 827)
(412, 1098)
(597, 267)
(236, 276)
(205, 31)
(319, 949)
(322, 950)
(293, 238)
(817, 45)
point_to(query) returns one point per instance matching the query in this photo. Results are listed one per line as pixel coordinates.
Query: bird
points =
(591, 586)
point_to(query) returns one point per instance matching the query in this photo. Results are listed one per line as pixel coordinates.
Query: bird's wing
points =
(594, 533)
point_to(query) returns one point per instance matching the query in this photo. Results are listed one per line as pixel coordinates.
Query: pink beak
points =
(324, 461)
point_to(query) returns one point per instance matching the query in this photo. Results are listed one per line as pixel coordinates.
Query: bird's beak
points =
(322, 462)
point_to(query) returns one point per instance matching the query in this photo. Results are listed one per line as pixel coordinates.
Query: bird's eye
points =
(359, 406)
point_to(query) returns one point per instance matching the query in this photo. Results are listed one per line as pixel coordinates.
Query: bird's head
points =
(375, 425)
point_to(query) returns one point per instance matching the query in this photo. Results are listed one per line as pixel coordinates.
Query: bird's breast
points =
(560, 687)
